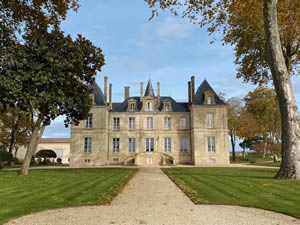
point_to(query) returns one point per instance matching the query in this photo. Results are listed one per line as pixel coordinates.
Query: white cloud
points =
(170, 28)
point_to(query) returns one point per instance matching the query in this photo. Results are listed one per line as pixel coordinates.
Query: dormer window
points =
(132, 107)
(167, 107)
(209, 98)
(149, 106)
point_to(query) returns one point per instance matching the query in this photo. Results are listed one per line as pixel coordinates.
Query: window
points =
(149, 123)
(131, 145)
(116, 123)
(183, 145)
(115, 159)
(87, 160)
(88, 144)
(211, 144)
(149, 144)
(149, 107)
(210, 120)
(89, 121)
(167, 107)
(209, 100)
(131, 123)
(116, 144)
(182, 123)
(132, 107)
(167, 144)
(167, 123)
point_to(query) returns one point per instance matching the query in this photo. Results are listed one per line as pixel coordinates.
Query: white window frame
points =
(87, 144)
(167, 123)
(89, 121)
(149, 107)
(131, 122)
(149, 144)
(209, 100)
(116, 145)
(116, 123)
(131, 144)
(210, 120)
(182, 123)
(167, 144)
(167, 107)
(132, 107)
(149, 123)
(183, 144)
(211, 144)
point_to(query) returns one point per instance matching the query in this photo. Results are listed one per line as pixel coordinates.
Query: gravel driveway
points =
(152, 198)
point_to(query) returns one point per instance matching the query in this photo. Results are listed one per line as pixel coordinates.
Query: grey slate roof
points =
(199, 96)
(149, 90)
(98, 95)
(176, 106)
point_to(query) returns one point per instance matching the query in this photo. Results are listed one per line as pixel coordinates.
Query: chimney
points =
(126, 93)
(110, 96)
(141, 91)
(193, 88)
(190, 89)
(105, 90)
(158, 94)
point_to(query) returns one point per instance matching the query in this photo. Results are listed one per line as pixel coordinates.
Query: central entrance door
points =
(150, 145)
(149, 161)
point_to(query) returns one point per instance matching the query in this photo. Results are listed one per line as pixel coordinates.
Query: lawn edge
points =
(189, 193)
(132, 173)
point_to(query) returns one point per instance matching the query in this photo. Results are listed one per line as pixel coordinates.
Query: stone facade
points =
(152, 129)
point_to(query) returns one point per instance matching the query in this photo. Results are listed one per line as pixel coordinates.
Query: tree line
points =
(256, 121)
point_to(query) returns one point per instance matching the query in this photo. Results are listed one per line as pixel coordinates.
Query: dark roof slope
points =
(98, 95)
(149, 90)
(199, 97)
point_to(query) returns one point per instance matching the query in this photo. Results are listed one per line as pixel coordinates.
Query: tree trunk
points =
(264, 151)
(244, 150)
(34, 141)
(13, 134)
(232, 139)
(290, 165)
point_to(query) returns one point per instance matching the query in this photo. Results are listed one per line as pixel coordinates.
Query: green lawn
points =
(55, 188)
(270, 164)
(254, 187)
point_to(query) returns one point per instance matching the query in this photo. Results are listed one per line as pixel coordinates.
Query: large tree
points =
(234, 108)
(263, 104)
(48, 76)
(264, 41)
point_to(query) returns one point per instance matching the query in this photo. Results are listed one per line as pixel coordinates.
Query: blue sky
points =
(166, 49)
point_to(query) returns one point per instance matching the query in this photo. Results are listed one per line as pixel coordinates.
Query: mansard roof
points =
(199, 96)
(149, 90)
(176, 106)
(98, 95)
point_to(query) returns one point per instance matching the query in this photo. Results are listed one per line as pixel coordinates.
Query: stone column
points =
(141, 99)
(126, 93)
(110, 96)
(193, 89)
(105, 90)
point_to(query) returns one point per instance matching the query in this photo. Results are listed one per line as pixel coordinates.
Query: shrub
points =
(5, 157)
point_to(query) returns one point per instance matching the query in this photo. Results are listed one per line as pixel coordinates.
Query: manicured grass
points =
(253, 187)
(270, 164)
(56, 188)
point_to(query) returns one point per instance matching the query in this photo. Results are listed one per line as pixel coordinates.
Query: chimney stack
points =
(126, 93)
(193, 88)
(105, 90)
(158, 93)
(190, 91)
(141, 91)
(110, 96)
